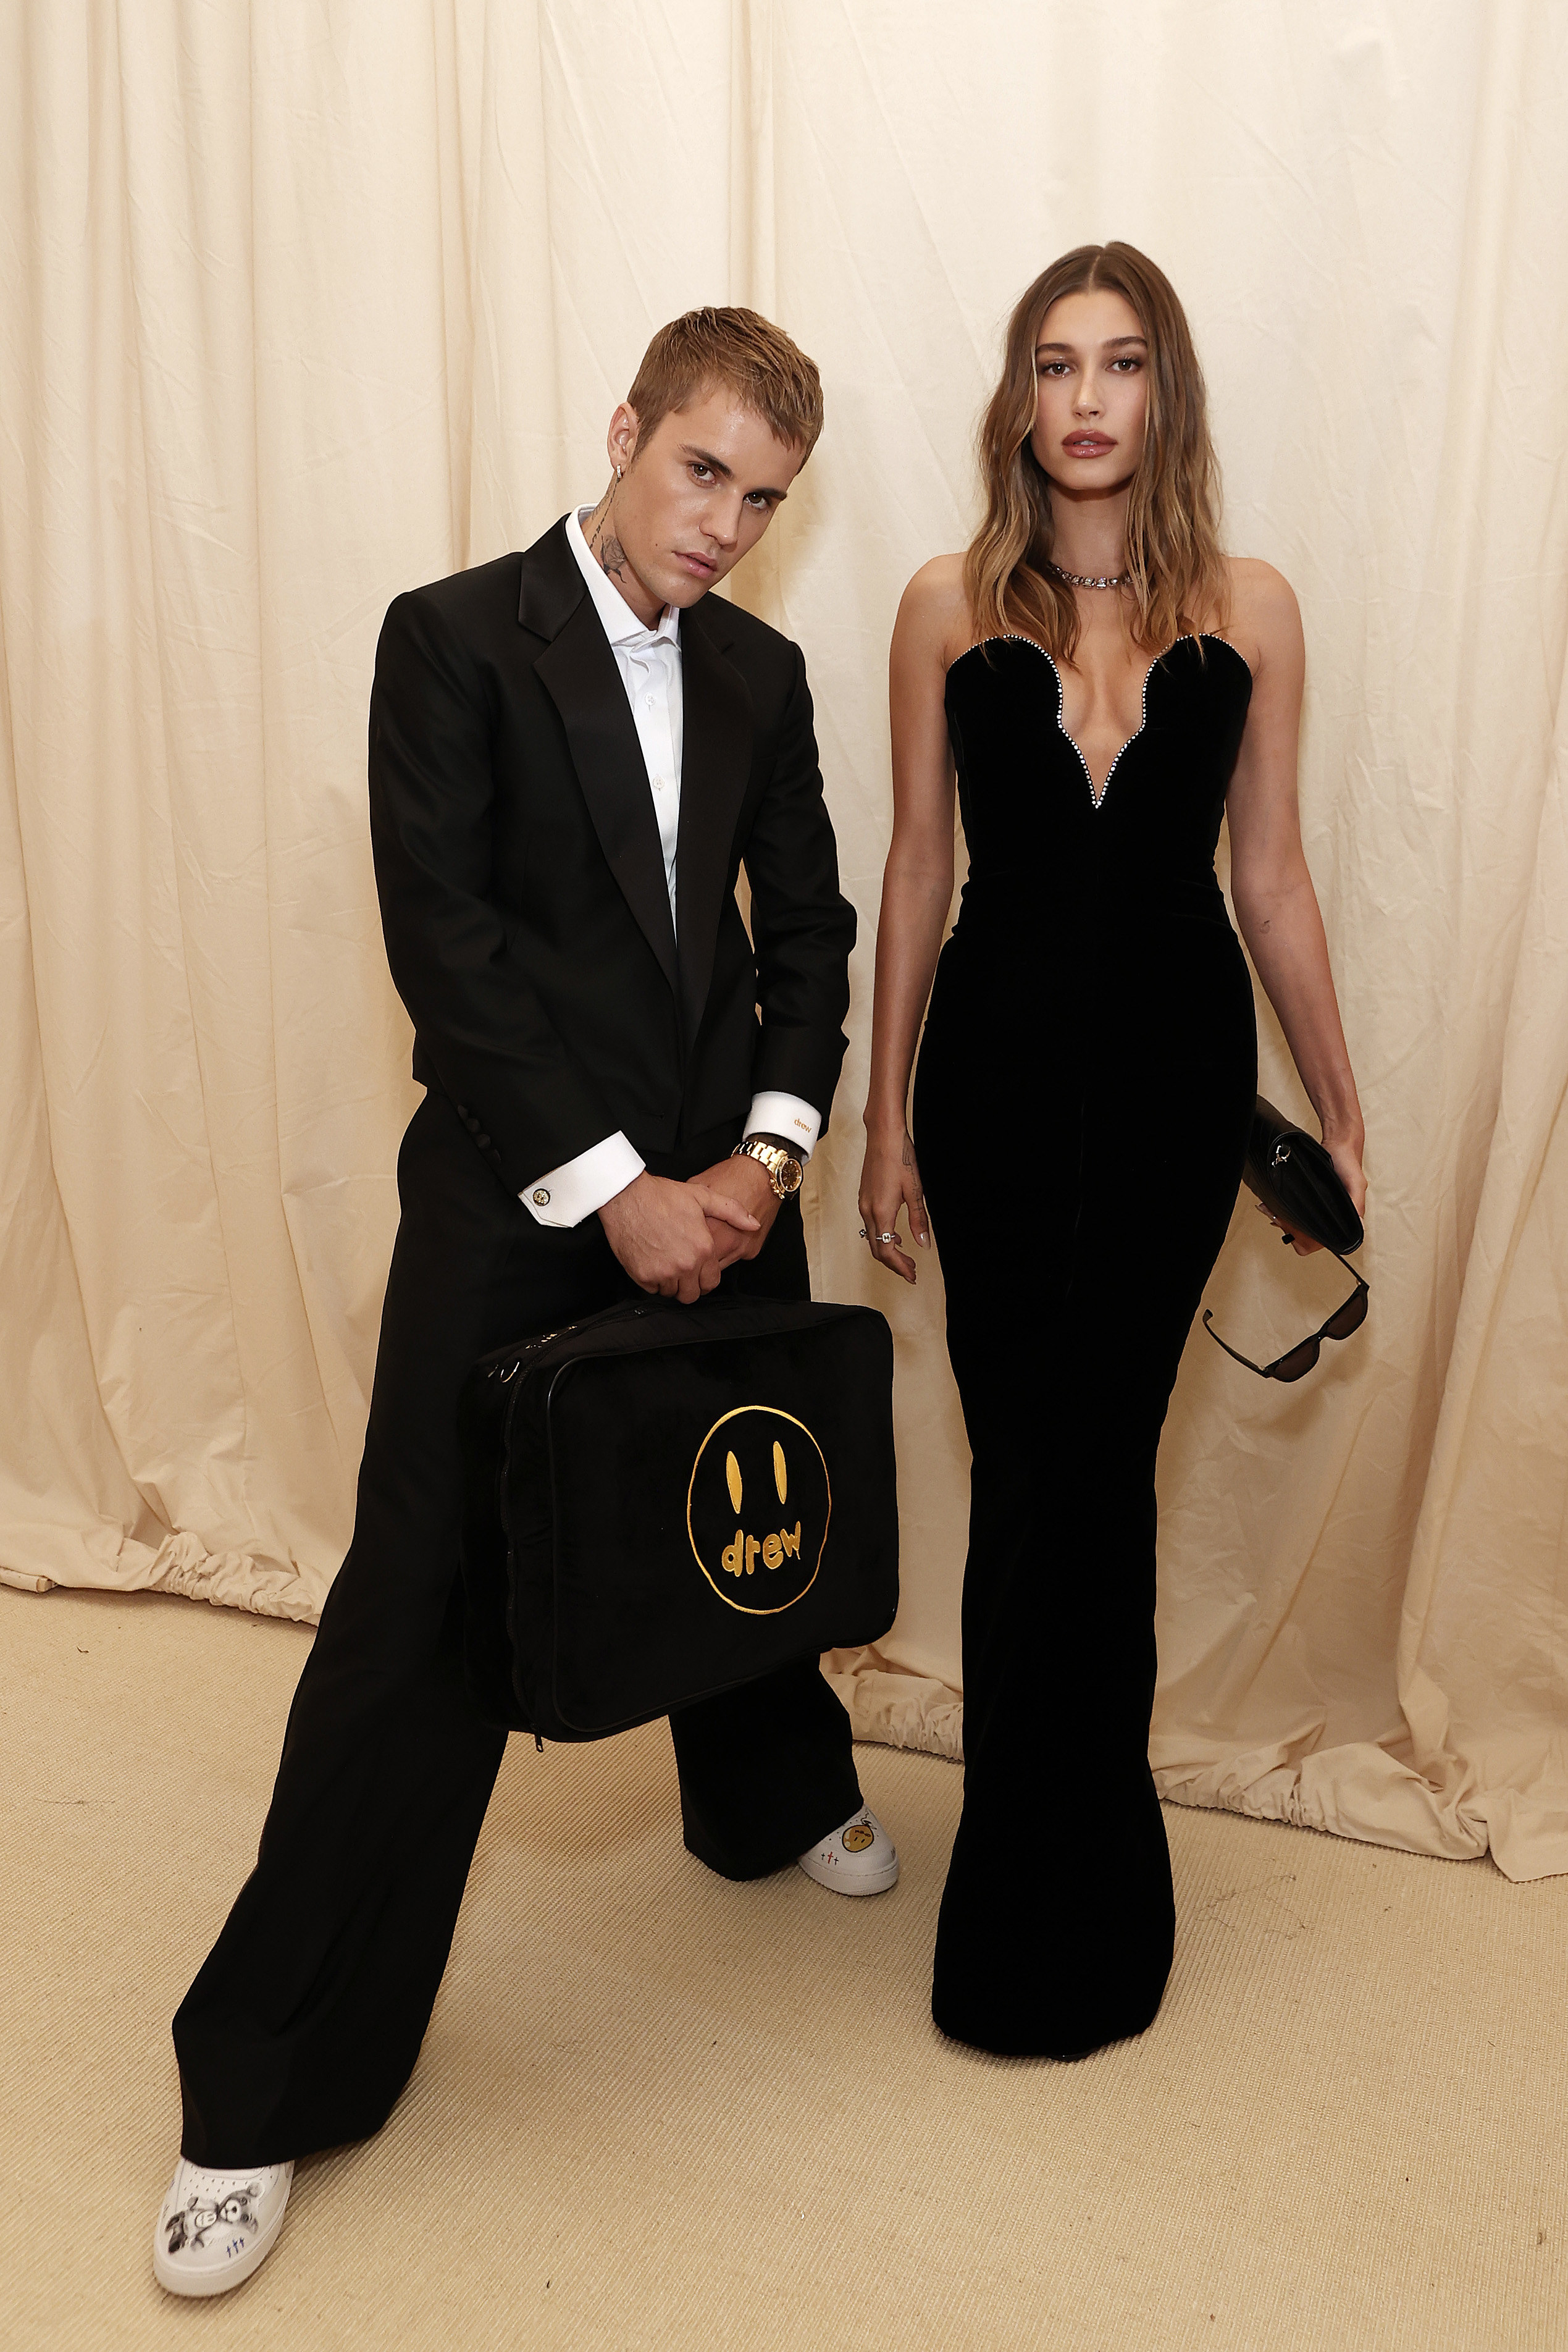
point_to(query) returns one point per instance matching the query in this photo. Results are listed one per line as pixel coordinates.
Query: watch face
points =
(785, 1173)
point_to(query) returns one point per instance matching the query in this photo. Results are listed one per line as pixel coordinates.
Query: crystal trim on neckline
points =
(1016, 636)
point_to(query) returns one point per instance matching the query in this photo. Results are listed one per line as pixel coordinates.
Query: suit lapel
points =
(577, 671)
(715, 765)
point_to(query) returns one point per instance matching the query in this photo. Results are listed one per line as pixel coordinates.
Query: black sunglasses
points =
(1300, 1359)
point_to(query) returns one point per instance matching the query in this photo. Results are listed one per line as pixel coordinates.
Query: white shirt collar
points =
(618, 621)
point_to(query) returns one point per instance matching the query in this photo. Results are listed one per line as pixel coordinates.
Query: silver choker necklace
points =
(1077, 579)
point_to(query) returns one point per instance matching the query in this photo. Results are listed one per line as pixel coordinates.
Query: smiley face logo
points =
(757, 1508)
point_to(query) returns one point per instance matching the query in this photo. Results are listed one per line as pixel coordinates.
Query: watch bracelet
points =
(786, 1150)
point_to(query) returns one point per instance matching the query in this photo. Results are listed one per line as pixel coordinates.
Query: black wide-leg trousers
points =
(306, 2019)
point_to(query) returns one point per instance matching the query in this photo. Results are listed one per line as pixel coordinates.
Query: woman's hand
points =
(1346, 1158)
(890, 1181)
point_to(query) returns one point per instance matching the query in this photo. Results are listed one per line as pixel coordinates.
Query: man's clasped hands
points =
(678, 1239)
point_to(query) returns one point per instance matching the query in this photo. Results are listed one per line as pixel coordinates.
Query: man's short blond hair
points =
(744, 353)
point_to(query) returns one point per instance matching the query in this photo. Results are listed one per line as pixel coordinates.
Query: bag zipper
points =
(514, 1364)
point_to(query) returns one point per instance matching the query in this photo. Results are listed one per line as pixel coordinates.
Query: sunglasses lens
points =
(1350, 1318)
(1299, 1362)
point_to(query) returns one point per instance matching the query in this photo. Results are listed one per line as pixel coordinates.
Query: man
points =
(572, 751)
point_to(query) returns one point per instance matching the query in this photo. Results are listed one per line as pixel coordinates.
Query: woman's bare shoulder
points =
(934, 610)
(1265, 621)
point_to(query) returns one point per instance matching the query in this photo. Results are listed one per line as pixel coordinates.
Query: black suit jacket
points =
(522, 881)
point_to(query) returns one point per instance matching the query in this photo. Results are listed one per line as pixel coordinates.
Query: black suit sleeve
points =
(802, 924)
(454, 951)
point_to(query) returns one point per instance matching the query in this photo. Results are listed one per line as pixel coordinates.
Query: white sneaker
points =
(858, 1859)
(215, 2227)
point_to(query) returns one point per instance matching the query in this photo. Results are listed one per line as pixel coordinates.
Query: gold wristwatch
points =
(784, 1171)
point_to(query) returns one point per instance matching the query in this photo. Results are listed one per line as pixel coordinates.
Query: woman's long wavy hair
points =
(1178, 578)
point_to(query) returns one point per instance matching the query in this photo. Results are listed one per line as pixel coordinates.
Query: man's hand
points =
(745, 1186)
(664, 1234)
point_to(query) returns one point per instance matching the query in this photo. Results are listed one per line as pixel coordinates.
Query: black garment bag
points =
(661, 1502)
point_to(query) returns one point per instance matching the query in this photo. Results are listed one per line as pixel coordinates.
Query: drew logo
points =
(740, 1557)
(757, 1507)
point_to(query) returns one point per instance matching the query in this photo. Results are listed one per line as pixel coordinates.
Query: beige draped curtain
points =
(305, 304)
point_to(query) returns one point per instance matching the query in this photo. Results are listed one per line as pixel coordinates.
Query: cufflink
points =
(541, 1198)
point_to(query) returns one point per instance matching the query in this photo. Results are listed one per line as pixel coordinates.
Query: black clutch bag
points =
(662, 1502)
(1294, 1178)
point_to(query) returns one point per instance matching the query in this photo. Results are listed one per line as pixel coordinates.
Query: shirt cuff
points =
(786, 1116)
(565, 1195)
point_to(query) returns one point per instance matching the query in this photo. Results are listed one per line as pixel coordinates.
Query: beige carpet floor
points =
(657, 2110)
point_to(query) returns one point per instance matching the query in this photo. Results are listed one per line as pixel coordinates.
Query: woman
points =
(1103, 685)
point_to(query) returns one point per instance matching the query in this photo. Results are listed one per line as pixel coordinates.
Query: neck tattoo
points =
(603, 541)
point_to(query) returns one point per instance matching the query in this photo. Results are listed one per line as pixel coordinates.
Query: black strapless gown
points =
(1080, 1114)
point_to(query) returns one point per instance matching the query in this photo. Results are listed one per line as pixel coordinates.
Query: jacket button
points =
(541, 1198)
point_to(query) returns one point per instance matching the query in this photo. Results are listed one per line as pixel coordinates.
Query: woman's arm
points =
(1276, 905)
(917, 892)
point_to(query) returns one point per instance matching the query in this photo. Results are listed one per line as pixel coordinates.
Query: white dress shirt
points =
(649, 662)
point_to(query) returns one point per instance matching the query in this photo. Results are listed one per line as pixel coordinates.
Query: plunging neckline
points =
(1097, 799)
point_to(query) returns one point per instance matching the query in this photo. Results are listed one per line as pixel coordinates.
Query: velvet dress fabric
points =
(1077, 1214)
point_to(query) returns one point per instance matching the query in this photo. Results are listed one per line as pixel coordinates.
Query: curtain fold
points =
(311, 303)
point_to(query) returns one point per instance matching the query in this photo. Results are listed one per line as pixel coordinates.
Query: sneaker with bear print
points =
(215, 2227)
